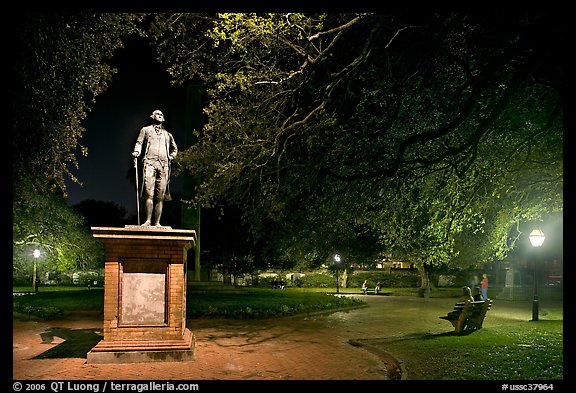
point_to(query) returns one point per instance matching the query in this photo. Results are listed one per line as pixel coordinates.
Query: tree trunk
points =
(227, 277)
(424, 290)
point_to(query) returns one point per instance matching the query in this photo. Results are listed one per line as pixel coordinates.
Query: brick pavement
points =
(316, 347)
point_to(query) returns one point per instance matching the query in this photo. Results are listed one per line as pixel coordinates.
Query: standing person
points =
(159, 151)
(484, 285)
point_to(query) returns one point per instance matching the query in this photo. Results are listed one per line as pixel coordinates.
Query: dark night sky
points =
(140, 86)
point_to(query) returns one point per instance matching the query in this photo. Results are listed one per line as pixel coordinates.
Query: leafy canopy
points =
(425, 134)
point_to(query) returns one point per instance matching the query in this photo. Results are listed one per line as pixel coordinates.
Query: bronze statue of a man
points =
(159, 151)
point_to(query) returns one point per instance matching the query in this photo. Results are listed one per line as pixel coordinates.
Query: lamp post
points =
(36, 254)
(536, 239)
(337, 260)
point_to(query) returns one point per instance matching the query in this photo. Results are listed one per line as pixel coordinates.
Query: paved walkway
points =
(316, 347)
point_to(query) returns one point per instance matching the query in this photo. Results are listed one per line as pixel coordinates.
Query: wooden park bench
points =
(468, 316)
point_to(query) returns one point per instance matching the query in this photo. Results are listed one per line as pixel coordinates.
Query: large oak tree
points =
(59, 66)
(427, 134)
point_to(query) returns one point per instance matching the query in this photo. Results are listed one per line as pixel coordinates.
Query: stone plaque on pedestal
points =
(144, 295)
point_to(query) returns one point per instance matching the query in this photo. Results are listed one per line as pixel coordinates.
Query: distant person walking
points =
(484, 286)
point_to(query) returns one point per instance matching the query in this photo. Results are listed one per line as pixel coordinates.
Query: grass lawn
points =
(518, 351)
(229, 302)
(264, 302)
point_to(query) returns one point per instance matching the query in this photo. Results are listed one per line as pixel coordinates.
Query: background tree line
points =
(434, 137)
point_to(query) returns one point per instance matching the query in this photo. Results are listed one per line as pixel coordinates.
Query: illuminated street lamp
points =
(536, 239)
(36, 254)
(337, 260)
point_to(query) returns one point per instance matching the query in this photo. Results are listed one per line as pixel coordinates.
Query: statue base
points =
(151, 227)
(144, 295)
(143, 351)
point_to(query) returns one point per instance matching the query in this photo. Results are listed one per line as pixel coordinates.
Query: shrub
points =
(395, 279)
(318, 280)
(44, 312)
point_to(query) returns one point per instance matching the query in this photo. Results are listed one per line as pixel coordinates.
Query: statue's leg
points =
(148, 204)
(148, 193)
(160, 192)
(158, 212)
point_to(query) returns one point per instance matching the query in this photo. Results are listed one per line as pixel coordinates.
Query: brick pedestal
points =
(144, 295)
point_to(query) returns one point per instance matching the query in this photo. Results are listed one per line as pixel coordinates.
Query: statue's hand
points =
(135, 154)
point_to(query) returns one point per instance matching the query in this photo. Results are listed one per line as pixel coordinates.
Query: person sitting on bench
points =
(365, 287)
(466, 295)
(476, 295)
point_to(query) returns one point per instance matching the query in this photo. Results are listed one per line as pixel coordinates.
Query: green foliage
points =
(266, 303)
(43, 221)
(318, 280)
(429, 136)
(59, 67)
(59, 302)
(432, 137)
(58, 70)
(43, 312)
(244, 303)
(397, 279)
